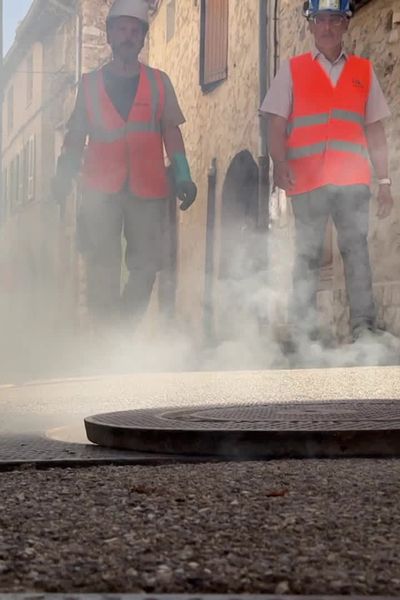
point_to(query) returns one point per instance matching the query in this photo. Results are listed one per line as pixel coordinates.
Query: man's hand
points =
(283, 176)
(187, 192)
(385, 201)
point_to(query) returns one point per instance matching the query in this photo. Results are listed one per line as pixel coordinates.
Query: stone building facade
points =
(39, 72)
(230, 268)
(223, 130)
(43, 278)
(222, 136)
(42, 275)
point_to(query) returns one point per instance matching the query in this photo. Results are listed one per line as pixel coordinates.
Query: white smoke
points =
(250, 320)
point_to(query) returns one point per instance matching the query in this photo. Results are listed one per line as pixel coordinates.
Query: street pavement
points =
(284, 527)
(280, 527)
(59, 406)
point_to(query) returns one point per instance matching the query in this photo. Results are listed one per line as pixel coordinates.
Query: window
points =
(3, 203)
(10, 109)
(29, 79)
(20, 191)
(14, 176)
(214, 43)
(171, 11)
(25, 172)
(31, 167)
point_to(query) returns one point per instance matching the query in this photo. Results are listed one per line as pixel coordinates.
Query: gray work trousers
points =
(102, 220)
(348, 207)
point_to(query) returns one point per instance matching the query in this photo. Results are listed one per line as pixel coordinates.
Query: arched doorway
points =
(242, 257)
(239, 215)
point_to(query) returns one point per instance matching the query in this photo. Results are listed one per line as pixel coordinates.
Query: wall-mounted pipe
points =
(263, 157)
(262, 69)
(208, 315)
(78, 47)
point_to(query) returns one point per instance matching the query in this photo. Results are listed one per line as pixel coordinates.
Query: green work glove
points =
(186, 189)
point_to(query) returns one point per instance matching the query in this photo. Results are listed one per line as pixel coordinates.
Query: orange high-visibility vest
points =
(326, 140)
(119, 151)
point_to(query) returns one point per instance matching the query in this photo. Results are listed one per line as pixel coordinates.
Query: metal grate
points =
(342, 415)
(282, 430)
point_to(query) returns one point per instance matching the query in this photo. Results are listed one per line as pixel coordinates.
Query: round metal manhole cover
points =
(297, 429)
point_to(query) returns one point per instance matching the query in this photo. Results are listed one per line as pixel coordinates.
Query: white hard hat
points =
(130, 8)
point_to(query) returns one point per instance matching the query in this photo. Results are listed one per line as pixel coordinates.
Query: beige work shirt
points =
(172, 115)
(279, 98)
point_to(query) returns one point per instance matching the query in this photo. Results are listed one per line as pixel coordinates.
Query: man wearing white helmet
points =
(325, 110)
(125, 114)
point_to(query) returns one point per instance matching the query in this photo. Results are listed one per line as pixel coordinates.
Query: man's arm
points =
(69, 161)
(173, 141)
(185, 188)
(378, 151)
(171, 119)
(277, 135)
(277, 107)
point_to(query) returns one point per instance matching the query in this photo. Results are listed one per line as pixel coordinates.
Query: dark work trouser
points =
(348, 207)
(102, 220)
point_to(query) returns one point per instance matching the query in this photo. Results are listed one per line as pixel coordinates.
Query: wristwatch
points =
(385, 181)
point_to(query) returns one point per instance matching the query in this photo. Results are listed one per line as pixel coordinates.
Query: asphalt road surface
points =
(299, 527)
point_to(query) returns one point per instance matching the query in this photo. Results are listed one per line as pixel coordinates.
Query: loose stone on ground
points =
(285, 527)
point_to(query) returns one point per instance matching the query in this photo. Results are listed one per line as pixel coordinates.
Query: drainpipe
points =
(208, 314)
(263, 158)
(78, 47)
(276, 40)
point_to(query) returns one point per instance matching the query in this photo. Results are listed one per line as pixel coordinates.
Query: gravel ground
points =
(303, 527)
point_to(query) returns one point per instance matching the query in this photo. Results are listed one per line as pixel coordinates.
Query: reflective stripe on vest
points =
(99, 134)
(326, 142)
(322, 118)
(322, 147)
(127, 151)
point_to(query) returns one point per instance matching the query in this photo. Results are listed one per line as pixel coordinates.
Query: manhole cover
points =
(292, 429)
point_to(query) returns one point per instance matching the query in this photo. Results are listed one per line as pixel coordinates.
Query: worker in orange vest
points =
(325, 110)
(125, 114)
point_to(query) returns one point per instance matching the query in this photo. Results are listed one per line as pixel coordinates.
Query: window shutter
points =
(25, 163)
(14, 184)
(31, 170)
(3, 205)
(18, 180)
(21, 177)
(214, 42)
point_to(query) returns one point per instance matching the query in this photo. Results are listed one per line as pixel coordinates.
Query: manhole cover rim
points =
(189, 419)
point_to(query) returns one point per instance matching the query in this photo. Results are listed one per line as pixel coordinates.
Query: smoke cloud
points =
(250, 328)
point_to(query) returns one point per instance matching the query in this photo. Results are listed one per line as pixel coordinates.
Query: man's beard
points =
(127, 52)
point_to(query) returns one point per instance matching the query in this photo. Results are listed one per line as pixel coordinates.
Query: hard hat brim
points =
(111, 17)
(331, 11)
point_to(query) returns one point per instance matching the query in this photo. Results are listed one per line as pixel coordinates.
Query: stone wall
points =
(38, 297)
(95, 50)
(374, 33)
(219, 124)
